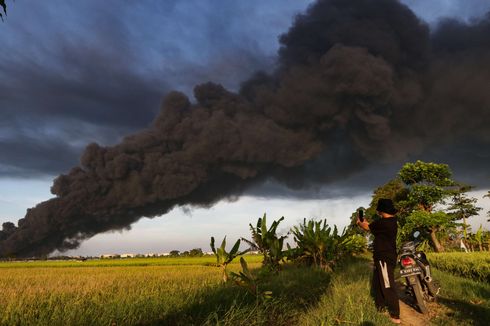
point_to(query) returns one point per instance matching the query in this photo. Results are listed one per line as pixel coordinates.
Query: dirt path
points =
(410, 317)
(409, 314)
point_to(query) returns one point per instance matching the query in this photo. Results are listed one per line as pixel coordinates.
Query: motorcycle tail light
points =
(407, 261)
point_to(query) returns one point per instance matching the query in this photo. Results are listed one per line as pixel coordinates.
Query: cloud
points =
(433, 10)
(357, 84)
(106, 67)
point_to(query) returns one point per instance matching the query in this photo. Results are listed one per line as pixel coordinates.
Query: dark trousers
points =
(384, 288)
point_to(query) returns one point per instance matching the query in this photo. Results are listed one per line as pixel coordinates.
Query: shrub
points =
(320, 245)
(267, 242)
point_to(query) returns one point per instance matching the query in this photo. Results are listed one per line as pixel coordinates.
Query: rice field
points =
(61, 293)
(189, 291)
(474, 265)
(123, 262)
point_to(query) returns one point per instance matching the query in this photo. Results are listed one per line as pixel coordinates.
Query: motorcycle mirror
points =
(416, 234)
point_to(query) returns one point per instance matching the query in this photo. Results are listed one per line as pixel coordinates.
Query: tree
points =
(196, 252)
(428, 184)
(463, 207)
(397, 191)
(488, 195)
(174, 253)
(8, 228)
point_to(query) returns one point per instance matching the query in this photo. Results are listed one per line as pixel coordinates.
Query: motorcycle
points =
(415, 268)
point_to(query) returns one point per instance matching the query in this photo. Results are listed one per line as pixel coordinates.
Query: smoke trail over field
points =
(359, 81)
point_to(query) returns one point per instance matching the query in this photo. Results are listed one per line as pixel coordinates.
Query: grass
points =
(475, 265)
(347, 301)
(125, 262)
(98, 296)
(463, 301)
(181, 294)
(188, 291)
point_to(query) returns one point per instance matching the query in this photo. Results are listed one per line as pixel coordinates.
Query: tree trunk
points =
(464, 228)
(437, 245)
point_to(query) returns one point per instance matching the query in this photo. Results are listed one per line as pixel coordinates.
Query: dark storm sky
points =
(75, 72)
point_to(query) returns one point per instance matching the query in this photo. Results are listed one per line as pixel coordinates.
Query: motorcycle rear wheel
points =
(419, 296)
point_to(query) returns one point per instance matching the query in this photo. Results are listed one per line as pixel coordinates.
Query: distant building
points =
(164, 254)
(106, 256)
(128, 255)
(151, 254)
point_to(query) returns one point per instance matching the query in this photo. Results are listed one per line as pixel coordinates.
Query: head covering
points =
(386, 205)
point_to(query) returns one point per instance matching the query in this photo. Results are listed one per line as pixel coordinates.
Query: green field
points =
(123, 262)
(475, 265)
(188, 291)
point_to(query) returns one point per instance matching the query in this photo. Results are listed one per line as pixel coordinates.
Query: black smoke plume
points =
(357, 82)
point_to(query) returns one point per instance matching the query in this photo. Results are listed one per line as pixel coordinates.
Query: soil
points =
(409, 314)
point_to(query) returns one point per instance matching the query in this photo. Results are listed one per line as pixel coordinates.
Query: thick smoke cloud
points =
(73, 72)
(358, 83)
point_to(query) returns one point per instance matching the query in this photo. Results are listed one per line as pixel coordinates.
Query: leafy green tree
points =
(463, 207)
(397, 191)
(174, 253)
(8, 228)
(419, 186)
(267, 242)
(433, 222)
(488, 195)
(196, 252)
(428, 184)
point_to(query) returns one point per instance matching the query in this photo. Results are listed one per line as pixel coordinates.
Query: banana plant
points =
(267, 242)
(320, 245)
(223, 258)
(250, 282)
(245, 278)
(479, 237)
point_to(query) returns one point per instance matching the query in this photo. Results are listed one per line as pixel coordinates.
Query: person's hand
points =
(363, 225)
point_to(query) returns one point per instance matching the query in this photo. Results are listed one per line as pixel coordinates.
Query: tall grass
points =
(466, 301)
(347, 300)
(98, 296)
(151, 295)
(187, 294)
(124, 262)
(475, 265)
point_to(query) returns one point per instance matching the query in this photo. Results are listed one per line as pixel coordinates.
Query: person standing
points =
(384, 257)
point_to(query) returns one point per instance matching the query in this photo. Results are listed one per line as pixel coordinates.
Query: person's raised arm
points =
(363, 225)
